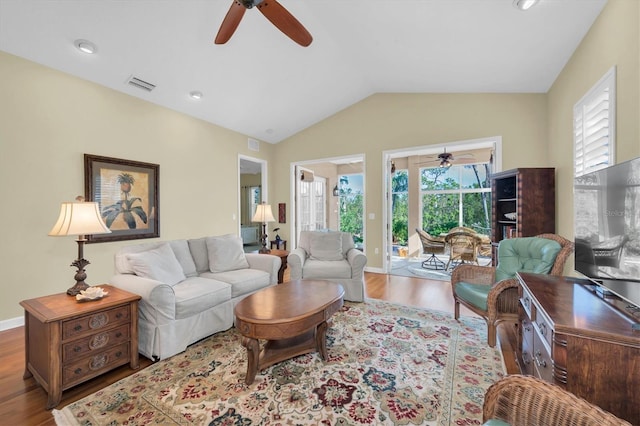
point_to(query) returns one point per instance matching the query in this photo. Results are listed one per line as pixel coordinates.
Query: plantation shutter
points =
(594, 127)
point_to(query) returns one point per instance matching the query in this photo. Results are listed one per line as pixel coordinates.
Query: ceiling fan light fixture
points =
(524, 4)
(85, 46)
(196, 95)
(445, 164)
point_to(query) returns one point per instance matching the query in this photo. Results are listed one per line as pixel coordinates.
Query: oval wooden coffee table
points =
(292, 317)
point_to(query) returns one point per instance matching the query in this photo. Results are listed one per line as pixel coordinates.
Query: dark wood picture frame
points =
(128, 195)
(282, 213)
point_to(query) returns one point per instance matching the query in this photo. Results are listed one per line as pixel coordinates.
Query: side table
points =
(69, 342)
(279, 244)
(282, 254)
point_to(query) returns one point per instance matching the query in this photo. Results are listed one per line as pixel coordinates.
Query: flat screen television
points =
(607, 228)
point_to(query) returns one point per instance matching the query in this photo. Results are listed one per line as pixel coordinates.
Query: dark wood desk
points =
(570, 336)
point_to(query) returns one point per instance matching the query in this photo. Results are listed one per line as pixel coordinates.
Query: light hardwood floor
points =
(22, 401)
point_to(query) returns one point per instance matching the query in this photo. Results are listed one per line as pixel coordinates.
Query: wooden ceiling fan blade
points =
(285, 22)
(230, 22)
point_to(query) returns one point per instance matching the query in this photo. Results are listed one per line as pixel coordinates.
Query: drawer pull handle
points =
(118, 354)
(541, 362)
(77, 349)
(78, 370)
(77, 328)
(118, 334)
(119, 315)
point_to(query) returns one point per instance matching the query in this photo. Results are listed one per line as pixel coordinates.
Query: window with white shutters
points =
(594, 126)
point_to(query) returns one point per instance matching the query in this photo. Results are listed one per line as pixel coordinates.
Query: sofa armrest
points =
(357, 260)
(296, 260)
(158, 300)
(265, 262)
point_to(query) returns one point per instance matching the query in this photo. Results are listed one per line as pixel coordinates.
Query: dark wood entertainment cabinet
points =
(570, 336)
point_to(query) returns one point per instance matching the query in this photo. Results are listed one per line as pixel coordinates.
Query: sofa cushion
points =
(226, 253)
(242, 281)
(326, 268)
(326, 246)
(198, 249)
(181, 250)
(196, 294)
(159, 264)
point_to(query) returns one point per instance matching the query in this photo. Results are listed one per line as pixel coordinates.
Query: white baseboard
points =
(11, 323)
(375, 270)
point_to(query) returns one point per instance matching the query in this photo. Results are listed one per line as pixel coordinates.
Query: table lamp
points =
(263, 214)
(79, 218)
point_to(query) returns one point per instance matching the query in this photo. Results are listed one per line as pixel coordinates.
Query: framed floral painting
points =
(127, 193)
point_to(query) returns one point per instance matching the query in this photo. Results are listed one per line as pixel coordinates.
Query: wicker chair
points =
(502, 296)
(431, 245)
(463, 245)
(485, 241)
(527, 401)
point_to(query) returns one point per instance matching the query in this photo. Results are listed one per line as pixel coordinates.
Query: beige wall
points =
(391, 121)
(614, 39)
(48, 120)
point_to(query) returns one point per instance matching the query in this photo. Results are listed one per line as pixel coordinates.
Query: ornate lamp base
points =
(80, 276)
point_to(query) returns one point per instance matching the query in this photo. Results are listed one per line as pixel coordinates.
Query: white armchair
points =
(330, 256)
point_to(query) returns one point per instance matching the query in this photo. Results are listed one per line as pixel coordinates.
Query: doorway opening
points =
(252, 178)
(432, 192)
(329, 195)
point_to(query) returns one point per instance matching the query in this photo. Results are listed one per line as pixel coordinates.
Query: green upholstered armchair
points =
(492, 292)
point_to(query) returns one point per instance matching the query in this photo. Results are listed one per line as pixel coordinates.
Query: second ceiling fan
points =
(273, 11)
(446, 159)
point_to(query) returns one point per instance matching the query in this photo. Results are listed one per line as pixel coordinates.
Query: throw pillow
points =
(226, 253)
(159, 264)
(326, 246)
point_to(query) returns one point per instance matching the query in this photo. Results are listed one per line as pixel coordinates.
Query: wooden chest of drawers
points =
(68, 342)
(571, 337)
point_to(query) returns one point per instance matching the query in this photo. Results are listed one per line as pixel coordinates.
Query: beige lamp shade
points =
(79, 218)
(263, 214)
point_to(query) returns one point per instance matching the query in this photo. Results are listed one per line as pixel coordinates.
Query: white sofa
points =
(189, 288)
(330, 256)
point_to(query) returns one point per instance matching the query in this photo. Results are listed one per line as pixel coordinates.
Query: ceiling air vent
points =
(140, 84)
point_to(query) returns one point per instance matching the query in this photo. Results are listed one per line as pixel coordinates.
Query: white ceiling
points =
(264, 85)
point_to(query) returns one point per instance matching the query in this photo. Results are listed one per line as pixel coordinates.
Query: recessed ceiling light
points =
(85, 46)
(196, 95)
(524, 4)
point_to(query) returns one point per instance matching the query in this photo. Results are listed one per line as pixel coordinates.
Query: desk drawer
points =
(95, 321)
(99, 341)
(84, 368)
(542, 360)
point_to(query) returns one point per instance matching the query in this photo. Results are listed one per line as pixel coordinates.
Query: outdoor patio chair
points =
(432, 245)
(463, 246)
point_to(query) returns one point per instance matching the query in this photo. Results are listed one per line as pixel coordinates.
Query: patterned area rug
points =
(388, 365)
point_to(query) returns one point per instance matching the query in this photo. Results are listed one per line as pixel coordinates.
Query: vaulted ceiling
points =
(264, 85)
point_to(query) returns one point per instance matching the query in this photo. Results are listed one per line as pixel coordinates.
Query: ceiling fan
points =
(273, 11)
(446, 159)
